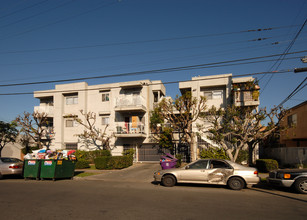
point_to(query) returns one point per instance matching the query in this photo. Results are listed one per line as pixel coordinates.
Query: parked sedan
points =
(10, 166)
(296, 178)
(210, 171)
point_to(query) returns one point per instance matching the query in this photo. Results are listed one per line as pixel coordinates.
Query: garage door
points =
(150, 152)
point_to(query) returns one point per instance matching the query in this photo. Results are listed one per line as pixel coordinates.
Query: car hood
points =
(291, 171)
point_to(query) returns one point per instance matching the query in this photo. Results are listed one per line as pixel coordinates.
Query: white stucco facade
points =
(124, 107)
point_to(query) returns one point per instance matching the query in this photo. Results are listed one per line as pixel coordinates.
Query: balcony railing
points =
(130, 102)
(123, 128)
(246, 98)
(49, 109)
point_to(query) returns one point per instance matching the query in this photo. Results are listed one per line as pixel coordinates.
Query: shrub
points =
(120, 162)
(266, 165)
(179, 161)
(213, 152)
(82, 164)
(242, 156)
(115, 162)
(101, 163)
(91, 155)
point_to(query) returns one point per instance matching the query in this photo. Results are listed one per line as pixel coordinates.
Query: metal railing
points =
(129, 101)
(130, 128)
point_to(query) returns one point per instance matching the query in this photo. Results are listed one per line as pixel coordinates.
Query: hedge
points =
(102, 163)
(115, 162)
(91, 155)
(82, 164)
(266, 165)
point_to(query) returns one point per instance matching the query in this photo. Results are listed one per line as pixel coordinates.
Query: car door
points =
(219, 171)
(195, 172)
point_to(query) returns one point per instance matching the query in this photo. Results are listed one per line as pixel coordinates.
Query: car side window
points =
(201, 164)
(219, 164)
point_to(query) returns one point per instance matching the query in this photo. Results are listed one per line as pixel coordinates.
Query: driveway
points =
(139, 172)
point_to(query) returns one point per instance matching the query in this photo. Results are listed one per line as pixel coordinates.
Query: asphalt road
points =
(116, 195)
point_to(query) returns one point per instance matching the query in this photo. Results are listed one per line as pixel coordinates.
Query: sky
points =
(48, 40)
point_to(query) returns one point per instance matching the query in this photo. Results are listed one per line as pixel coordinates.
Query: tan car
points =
(210, 171)
(10, 166)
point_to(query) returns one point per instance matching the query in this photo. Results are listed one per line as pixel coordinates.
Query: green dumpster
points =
(31, 168)
(57, 169)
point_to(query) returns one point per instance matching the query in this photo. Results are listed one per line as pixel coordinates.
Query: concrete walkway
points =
(138, 172)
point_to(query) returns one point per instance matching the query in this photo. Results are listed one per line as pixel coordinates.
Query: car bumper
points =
(280, 182)
(252, 180)
(157, 177)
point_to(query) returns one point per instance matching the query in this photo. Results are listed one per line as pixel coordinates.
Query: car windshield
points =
(9, 160)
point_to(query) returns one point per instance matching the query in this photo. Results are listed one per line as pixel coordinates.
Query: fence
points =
(288, 155)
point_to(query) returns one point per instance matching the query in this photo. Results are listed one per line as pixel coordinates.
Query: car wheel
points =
(301, 185)
(168, 181)
(236, 183)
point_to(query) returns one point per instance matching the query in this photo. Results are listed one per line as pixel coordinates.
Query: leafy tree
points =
(235, 127)
(92, 134)
(8, 134)
(179, 115)
(34, 126)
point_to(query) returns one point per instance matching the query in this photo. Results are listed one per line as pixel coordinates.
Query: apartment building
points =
(220, 91)
(123, 107)
(296, 122)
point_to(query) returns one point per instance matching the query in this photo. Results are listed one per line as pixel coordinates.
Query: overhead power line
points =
(59, 20)
(282, 56)
(198, 66)
(294, 92)
(144, 41)
(112, 87)
(22, 9)
(35, 15)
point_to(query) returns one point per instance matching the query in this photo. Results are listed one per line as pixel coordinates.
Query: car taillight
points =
(256, 172)
(15, 167)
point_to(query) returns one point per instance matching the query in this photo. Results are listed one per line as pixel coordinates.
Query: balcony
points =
(130, 103)
(49, 109)
(246, 98)
(124, 129)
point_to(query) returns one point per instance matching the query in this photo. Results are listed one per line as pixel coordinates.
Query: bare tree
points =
(180, 114)
(92, 134)
(34, 125)
(235, 127)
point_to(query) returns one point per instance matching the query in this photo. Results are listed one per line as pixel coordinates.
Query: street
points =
(108, 197)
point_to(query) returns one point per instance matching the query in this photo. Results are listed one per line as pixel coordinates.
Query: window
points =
(71, 146)
(201, 164)
(292, 120)
(105, 97)
(105, 120)
(214, 94)
(71, 100)
(219, 164)
(70, 123)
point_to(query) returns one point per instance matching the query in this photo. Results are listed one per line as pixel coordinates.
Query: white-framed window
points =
(105, 120)
(213, 94)
(70, 123)
(105, 97)
(71, 100)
